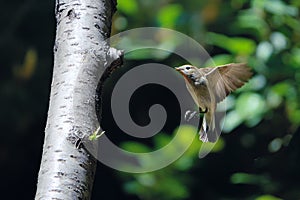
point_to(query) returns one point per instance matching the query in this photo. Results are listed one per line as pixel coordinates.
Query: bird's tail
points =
(208, 131)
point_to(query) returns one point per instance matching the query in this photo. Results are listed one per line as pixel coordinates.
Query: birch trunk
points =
(81, 55)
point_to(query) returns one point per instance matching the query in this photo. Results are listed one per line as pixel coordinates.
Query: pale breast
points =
(200, 95)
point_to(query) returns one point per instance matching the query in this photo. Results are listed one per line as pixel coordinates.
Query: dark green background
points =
(258, 156)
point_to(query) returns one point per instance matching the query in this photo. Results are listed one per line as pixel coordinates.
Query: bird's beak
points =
(179, 70)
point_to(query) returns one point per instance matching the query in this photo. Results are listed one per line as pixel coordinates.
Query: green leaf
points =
(161, 140)
(255, 83)
(252, 22)
(173, 188)
(184, 163)
(168, 15)
(279, 41)
(147, 179)
(250, 105)
(245, 178)
(249, 108)
(264, 50)
(232, 120)
(284, 89)
(273, 99)
(220, 59)
(294, 58)
(294, 116)
(278, 7)
(131, 187)
(258, 3)
(96, 134)
(129, 7)
(267, 197)
(135, 147)
(275, 145)
(235, 45)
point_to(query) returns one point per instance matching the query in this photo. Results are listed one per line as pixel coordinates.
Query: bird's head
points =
(189, 72)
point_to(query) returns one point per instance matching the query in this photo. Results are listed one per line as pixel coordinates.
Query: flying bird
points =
(209, 86)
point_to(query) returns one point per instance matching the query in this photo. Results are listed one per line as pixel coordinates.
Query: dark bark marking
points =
(97, 26)
(86, 28)
(71, 14)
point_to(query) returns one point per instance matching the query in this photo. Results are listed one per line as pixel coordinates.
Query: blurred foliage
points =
(162, 184)
(263, 116)
(260, 157)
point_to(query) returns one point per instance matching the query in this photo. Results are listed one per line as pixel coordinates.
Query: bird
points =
(210, 85)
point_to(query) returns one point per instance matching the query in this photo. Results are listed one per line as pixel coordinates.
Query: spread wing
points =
(227, 78)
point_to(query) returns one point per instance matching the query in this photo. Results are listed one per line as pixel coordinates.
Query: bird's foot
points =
(190, 115)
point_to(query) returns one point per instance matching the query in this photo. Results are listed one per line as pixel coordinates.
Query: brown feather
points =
(227, 78)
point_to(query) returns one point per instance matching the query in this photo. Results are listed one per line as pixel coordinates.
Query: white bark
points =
(80, 57)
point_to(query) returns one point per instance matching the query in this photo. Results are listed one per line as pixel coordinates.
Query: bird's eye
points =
(188, 68)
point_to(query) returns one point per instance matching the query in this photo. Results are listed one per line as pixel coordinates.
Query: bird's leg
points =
(203, 137)
(203, 133)
(203, 112)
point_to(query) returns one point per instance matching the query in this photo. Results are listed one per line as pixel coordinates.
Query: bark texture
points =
(81, 55)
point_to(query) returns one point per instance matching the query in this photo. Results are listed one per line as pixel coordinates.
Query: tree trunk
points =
(81, 55)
